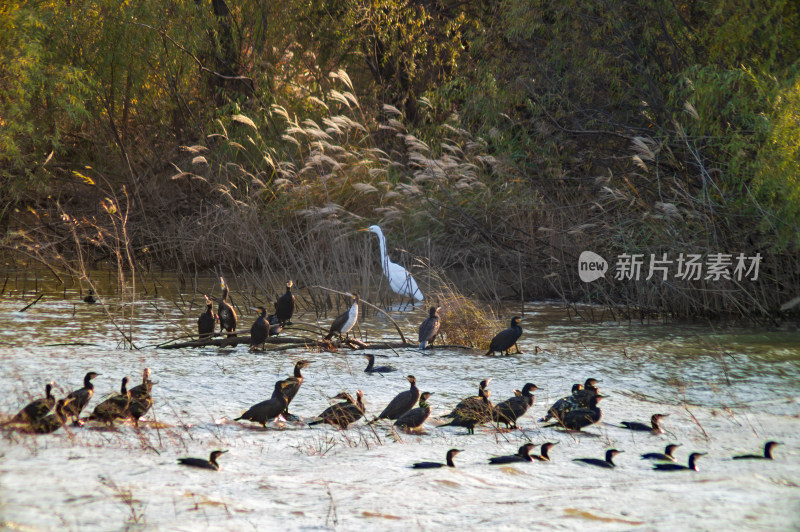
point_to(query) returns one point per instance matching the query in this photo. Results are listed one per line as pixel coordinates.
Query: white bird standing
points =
(400, 281)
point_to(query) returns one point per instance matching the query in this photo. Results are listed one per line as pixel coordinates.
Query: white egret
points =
(400, 281)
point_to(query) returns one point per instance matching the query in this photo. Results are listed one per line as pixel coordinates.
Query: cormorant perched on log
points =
(51, 422)
(653, 427)
(202, 463)
(400, 281)
(402, 403)
(429, 328)
(259, 332)
(380, 369)
(266, 411)
(505, 340)
(80, 397)
(90, 297)
(578, 418)
(344, 413)
(472, 401)
(435, 465)
(37, 409)
(766, 456)
(141, 398)
(206, 323)
(294, 386)
(608, 462)
(523, 455)
(284, 307)
(227, 316)
(115, 407)
(345, 321)
(677, 467)
(666, 455)
(414, 418)
(473, 413)
(563, 405)
(275, 326)
(514, 408)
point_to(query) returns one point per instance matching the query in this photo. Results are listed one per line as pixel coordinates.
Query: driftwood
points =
(287, 342)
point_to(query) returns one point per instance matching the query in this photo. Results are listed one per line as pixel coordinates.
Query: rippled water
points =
(727, 391)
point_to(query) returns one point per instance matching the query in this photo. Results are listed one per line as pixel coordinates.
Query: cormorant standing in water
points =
(259, 332)
(211, 463)
(380, 369)
(115, 407)
(266, 411)
(505, 340)
(429, 328)
(294, 386)
(80, 397)
(37, 409)
(608, 462)
(677, 467)
(472, 401)
(474, 413)
(344, 413)
(766, 456)
(582, 398)
(563, 405)
(414, 418)
(666, 455)
(523, 455)
(284, 307)
(227, 316)
(435, 465)
(141, 398)
(583, 417)
(402, 403)
(514, 408)
(49, 423)
(90, 297)
(545, 456)
(345, 321)
(207, 320)
(654, 427)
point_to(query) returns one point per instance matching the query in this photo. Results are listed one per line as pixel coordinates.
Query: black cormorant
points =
(523, 455)
(259, 331)
(766, 456)
(294, 386)
(227, 316)
(206, 323)
(345, 321)
(578, 418)
(344, 413)
(563, 405)
(115, 407)
(429, 328)
(583, 397)
(36, 409)
(472, 401)
(608, 462)
(402, 403)
(515, 407)
(90, 297)
(266, 411)
(80, 397)
(211, 463)
(545, 456)
(284, 307)
(141, 398)
(505, 340)
(414, 418)
(666, 455)
(380, 369)
(677, 467)
(49, 423)
(275, 326)
(653, 427)
(473, 413)
(435, 465)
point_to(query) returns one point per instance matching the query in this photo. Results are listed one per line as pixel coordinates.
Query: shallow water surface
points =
(727, 390)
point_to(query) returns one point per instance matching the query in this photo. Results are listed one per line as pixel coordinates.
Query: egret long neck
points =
(384, 255)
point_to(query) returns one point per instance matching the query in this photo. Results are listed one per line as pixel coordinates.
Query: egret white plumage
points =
(400, 281)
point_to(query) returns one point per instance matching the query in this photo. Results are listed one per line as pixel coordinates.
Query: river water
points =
(727, 389)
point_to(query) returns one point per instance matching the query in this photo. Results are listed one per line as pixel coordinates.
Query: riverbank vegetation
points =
(492, 141)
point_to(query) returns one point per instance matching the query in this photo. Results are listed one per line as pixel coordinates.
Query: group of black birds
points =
(46, 415)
